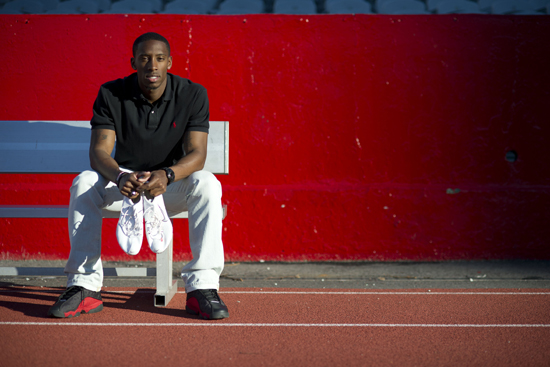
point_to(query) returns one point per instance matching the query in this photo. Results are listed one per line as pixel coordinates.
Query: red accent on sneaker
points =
(193, 305)
(72, 313)
(87, 305)
(90, 304)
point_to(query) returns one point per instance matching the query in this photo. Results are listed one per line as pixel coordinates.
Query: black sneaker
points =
(76, 300)
(207, 304)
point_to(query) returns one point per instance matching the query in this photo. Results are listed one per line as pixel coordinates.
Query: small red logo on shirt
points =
(174, 124)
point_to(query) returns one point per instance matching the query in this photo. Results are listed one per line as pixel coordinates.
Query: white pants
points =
(199, 194)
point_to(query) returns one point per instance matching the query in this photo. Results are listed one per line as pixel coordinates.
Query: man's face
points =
(151, 62)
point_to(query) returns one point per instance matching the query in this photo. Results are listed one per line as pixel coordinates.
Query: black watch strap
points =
(170, 174)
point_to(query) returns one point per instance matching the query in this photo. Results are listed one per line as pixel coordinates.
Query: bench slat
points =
(52, 211)
(61, 211)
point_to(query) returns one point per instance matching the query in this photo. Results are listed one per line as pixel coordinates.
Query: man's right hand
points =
(131, 182)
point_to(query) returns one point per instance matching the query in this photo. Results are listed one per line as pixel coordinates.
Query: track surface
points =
(284, 327)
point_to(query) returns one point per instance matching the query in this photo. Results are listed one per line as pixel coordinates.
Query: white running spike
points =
(129, 231)
(158, 226)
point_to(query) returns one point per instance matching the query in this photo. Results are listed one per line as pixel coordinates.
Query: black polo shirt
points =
(150, 136)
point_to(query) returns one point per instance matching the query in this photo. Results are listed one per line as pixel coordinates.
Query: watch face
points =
(170, 174)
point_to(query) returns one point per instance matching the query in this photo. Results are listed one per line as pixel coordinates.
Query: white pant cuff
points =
(89, 287)
(193, 287)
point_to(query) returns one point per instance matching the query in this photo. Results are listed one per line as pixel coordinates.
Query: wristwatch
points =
(170, 174)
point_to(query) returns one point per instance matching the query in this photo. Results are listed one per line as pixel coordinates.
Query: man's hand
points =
(130, 184)
(155, 184)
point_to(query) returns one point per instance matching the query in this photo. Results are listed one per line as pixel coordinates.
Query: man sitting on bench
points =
(160, 124)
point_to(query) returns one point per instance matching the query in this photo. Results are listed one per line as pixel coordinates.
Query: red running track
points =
(284, 327)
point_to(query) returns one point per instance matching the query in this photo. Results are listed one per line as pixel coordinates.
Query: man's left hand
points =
(156, 185)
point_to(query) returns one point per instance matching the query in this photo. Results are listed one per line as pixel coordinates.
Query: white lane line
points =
(107, 291)
(275, 325)
(346, 293)
(381, 293)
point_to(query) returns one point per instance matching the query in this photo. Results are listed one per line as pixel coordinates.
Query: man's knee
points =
(86, 178)
(87, 182)
(206, 184)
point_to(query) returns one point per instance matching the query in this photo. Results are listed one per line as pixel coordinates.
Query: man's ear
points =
(133, 63)
(169, 62)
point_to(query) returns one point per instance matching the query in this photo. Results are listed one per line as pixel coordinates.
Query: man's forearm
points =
(103, 163)
(192, 162)
(195, 155)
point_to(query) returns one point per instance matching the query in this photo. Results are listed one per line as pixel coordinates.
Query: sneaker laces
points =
(70, 292)
(211, 295)
(152, 222)
(154, 217)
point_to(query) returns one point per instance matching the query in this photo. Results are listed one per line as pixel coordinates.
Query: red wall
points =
(346, 132)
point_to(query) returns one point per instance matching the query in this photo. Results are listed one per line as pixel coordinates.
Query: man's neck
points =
(153, 95)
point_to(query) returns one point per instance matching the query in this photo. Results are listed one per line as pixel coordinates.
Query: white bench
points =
(62, 147)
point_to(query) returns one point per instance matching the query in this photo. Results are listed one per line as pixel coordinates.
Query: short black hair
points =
(149, 36)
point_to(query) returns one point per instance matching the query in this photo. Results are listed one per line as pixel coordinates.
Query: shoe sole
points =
(217, 316)
(77, 312)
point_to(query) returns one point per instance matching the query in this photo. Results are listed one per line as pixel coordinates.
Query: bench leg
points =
(166, 287)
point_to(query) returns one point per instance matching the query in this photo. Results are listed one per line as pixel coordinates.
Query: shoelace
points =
(154, 217)
(211, 295)
(70, 292)
(152, 220)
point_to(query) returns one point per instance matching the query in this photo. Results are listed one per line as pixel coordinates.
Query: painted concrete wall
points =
(352, 137)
